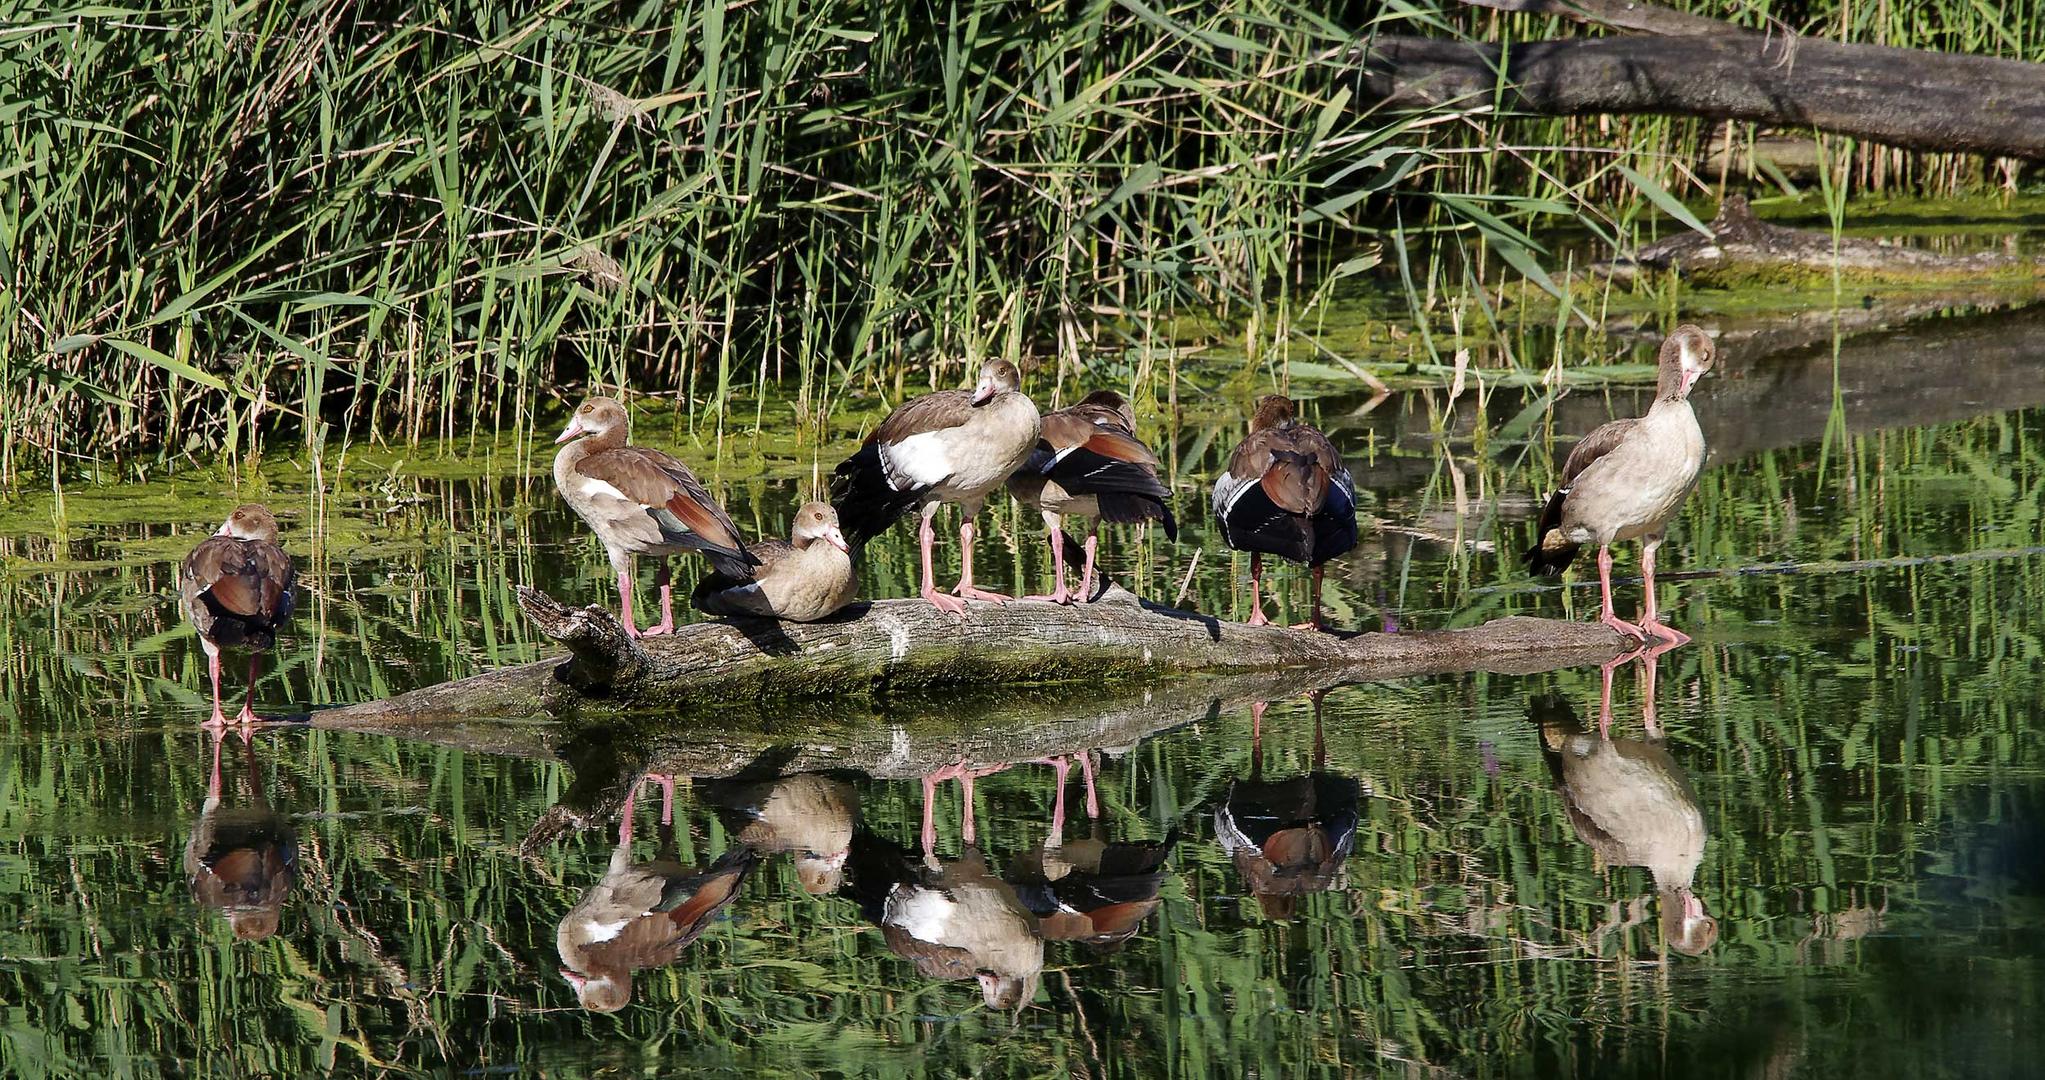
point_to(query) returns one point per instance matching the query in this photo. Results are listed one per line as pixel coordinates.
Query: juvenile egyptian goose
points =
(240, 861)
(1634, 806)
(1089, 463)
(803, 579)
(1285, 493)
(1288, 838)
(641, 502)
(952, 920)
(810, 817)
(1625, 481)
(236, 588)
(642, 915)
(953, 446)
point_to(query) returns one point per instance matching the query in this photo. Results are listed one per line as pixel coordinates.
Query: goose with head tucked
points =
(1285, 493)
(1089, 463)
(640, 501)
(1626, 480)
(953, 446)
(237, 589)
(803, 579)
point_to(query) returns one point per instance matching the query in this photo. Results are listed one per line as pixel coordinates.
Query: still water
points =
(1813, 843)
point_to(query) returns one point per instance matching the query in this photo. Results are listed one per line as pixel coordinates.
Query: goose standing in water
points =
(1285, 493)
(236, 588)
(1625, 481)
(1089, 463)
(953, 446)
(803, 579)
(641, 502)
(1633, 805)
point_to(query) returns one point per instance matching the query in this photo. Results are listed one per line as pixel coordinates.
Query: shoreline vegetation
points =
(349, 224)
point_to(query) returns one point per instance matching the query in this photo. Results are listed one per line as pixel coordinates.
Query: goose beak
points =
(574, 429)
(984, 392)
(837, 540)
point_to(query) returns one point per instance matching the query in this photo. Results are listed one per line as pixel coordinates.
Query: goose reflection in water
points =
(808, 816)
(240, 860)
(643, 914)
(1093, 891)
(952, 919)
(1288, 838)
(1632, 803)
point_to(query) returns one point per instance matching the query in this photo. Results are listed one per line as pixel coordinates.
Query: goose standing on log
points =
(803, 579)
(953, 446)
(641, 502)
(236, 588)
(1625, 480)
(1285, 493)
(1088, 462)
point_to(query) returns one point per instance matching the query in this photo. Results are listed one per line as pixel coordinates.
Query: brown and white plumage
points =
(807, 577)
(810, 817)
(241, 860)
(1633, 805)
(1285, 493)
(953, 446)
(1089, 463)
(640, 501)
(952, 920)
(1091, 890)
(642, 915)
(1626, 480)
(237, 590)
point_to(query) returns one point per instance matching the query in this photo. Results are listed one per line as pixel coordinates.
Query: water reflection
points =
(241, 860)
(1093, 890)
(1287, 838)
(643, 914)
(1630, 802)
(809, 817)
(952, 919)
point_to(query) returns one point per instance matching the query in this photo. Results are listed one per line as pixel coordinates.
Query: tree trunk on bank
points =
(1910, 98)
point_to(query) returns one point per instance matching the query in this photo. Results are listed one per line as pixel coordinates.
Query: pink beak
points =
(837, 540)
(574, 429)
(575, 979)
(983, 393)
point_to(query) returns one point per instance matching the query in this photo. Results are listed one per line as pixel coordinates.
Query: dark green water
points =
(1864, 747)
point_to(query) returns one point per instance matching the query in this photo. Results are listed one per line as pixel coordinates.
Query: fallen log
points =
(889, 648)
(1909, 98)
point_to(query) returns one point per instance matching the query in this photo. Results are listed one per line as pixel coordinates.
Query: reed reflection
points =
(240, 861)
(1288, 838)
(1631, 802)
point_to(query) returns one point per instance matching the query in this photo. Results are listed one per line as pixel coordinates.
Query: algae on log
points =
(889, 647)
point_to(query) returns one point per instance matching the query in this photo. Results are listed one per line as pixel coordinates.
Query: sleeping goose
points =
(641, 502)
(803, 579)
(1285, 493)
(1088, 462)
(953, 446)
(1625, 480)
(236, 588)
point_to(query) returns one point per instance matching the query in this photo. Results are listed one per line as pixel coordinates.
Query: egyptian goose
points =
(1288, 838)
(1285, 493)
(642, 915)
(811, 817)
(236, 588)
(803, 579)
(240, 861)
(1633, 805)
(1089, 463)
(641, 502)
(952, 920)
(953, 446)
(1093, 891)
(1625, 480)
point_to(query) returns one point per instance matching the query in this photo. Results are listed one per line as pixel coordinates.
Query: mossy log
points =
(892, 648)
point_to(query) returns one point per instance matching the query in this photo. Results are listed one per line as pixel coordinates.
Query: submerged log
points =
(894, 647)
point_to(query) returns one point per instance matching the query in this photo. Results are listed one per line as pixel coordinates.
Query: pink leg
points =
(218, 721)
(625, 814)
(937, 599)
(1605, 671)
(1257, 735)
(929, 833)
(1650, 626)
(213, 781)
(966, 831)
(1608, 616)
(1086, 770)
(625, 603)
(1060, 595)
(1257, 591)
(667, 796)
(248, 706)
(1058, 801)
(1314, 623)
(666, 625)
(966, 588)
(1086, 577)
